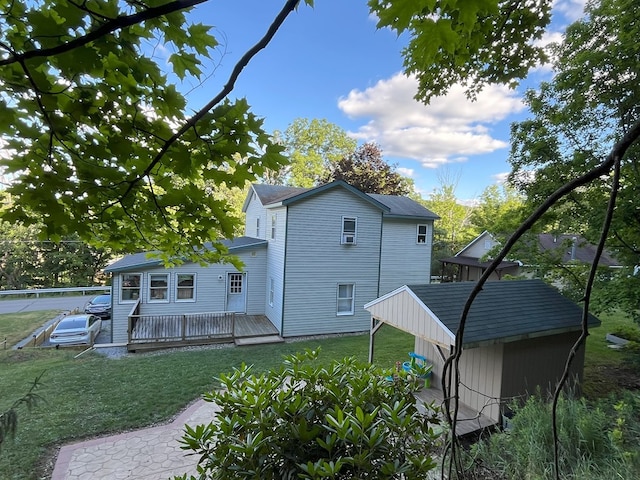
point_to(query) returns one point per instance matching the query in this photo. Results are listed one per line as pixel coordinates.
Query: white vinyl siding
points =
(130, 284)
(404, 261)
(185, 287)
(346, 295)
(158, 287)
(275, 268)
(317, 261)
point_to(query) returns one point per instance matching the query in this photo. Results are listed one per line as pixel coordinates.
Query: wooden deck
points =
(469, 420)
(163, 331)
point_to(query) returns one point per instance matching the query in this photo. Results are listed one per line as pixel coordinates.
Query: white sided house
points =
(312, 259)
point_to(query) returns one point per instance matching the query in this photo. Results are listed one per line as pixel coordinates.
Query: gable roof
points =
(390, 205)
(582, 252)
(143, 260)
(502, 312)
(474, 241)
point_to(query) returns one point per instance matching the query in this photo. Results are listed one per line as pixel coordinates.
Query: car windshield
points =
(72, 323)
(102, 300)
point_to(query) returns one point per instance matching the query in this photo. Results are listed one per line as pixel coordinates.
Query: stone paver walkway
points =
(148, 454)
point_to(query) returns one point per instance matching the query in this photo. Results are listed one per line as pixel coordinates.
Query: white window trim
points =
(274, 225)
(353, 300)
(343, 235)
(272, 291)
(177, 287)
(120, 299)
(150, 299)
(418, 234)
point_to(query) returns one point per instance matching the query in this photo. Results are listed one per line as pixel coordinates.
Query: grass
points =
(18, 326)
(93, 395)
(600, 360)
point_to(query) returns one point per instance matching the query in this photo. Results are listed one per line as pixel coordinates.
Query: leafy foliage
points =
(366, 170)
(9, 418)
(302, 421)
(99, 141)
(597, 441)
(312, 146)
(472, 43)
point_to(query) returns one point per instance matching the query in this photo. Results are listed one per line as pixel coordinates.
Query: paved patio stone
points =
(149, 454)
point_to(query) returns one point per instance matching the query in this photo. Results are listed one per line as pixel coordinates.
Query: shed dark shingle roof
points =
(503, 311)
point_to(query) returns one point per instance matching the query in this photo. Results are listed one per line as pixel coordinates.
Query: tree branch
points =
(118, 23)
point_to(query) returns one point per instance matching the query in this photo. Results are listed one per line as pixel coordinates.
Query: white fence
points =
(40, 291)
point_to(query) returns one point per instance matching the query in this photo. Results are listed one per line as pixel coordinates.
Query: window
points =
(274, 222)
(130, 287)
(185, 287)
(349, 225)
(272, 291)
(345, 298)
(488, 245)
(422, 234)
(235, 283)
(258, 227)
(158, 287)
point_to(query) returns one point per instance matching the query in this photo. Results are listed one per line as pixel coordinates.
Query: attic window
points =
(349, 226)
(487, 245)
(422, 234)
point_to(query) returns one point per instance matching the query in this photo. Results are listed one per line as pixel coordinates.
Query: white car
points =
(76, 330)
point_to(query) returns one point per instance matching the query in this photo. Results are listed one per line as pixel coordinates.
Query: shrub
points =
(304, 421)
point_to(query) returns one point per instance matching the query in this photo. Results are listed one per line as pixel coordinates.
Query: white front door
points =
(236, 293)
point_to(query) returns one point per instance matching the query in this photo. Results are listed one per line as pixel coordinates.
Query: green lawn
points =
(18, 326)
(93, 395)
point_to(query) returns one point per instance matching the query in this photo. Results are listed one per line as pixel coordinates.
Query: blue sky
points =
(330, 62)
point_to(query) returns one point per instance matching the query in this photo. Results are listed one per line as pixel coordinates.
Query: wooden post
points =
(184, 328)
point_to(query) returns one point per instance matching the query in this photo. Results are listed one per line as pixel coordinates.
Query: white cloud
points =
(571, 9)
(406, 172)
(500, 178)
(449, 129)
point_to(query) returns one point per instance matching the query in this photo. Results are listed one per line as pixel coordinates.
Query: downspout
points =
(112, 295)
(380, 252)
(284, 267)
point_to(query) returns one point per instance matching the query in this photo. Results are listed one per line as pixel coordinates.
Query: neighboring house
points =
(518, 335)
(312, 258)
(472, 260)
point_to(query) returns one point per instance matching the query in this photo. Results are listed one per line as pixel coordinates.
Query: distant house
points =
(312, 258)
(517, 337)
(471, 262)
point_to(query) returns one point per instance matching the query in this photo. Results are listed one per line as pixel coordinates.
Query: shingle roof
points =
(503, 311)
(583, 252)
(142, 259)
(395, 206)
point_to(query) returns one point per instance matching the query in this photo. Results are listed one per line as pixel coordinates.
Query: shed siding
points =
(480, 374)
(404, 312)
(317, 262)
(275, 264)
(210, 291)
(538, 361)
(430, 351)
(403, 260)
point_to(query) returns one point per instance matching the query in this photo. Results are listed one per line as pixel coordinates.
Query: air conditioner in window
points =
(349, 239)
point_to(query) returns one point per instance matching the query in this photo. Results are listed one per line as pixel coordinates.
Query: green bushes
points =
(595, 441)
(304, 421)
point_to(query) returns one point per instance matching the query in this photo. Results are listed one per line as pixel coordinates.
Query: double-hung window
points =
(274, 224)
(258, 227)
(185, 287)
(272, 291)
(158, 287)
(349, 230)
(130, 287)
(346, 297)
(422, 234)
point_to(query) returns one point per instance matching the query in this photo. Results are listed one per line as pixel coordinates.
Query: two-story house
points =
(312, 259)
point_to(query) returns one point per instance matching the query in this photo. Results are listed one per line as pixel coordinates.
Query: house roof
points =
(475, 262)
(144, 260)
(474, 241)
(583, 251)
(391, 205)
(502, 312)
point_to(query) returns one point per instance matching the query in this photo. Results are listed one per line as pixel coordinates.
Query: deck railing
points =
(185, 328)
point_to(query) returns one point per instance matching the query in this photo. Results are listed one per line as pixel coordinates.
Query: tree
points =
(101, 144)
(347, 420)
(9, 417)
(593, 100)
(312, 146)
(366, 170)
(499, 211)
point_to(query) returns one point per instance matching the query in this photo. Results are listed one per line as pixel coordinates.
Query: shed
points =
(517, 337)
